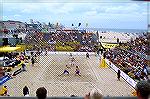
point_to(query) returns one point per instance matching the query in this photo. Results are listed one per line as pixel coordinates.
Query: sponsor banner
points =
(109, 45)
(4, 79)
(123, 75)
(73, 53)
(9, 49)
(28, 53)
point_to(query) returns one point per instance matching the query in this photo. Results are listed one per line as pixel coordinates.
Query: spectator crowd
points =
(83, 42)
(128, 57)
(142, 91)
(13, 60)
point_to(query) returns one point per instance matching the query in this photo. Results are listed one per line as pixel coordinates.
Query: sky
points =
(98, 14)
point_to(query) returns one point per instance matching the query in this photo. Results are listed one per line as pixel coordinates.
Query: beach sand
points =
(111, 37)
(46, 73)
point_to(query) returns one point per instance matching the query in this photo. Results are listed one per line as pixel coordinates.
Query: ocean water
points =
(132, 31)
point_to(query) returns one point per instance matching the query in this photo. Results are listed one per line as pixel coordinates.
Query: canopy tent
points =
(8, 49)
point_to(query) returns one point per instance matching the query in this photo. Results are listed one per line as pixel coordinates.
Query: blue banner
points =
(4, 79)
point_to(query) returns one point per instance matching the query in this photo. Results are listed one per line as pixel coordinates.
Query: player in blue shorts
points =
(77, 72)
(66, 70)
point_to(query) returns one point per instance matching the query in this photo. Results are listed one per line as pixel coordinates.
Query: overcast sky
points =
(127, 15)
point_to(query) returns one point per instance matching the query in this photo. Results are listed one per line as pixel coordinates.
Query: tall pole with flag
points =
(57, 24)
(79, 26)
(26, 25)
(72, 25)
(86, 27)
(31, 21)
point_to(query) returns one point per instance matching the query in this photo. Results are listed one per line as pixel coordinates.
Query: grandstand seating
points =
(131, 58)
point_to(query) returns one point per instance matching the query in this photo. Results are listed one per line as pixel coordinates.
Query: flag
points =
(86, 24)
(97, 34)
(57, 24)
(79, 24)
(31, 21)
(26, 24)
(38, 22)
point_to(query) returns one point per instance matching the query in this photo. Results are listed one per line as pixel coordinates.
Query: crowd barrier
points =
(66, 98)
(68, 53)
(123, 75)
(73, 53)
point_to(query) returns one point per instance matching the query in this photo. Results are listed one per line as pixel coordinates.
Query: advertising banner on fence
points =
(123, 75)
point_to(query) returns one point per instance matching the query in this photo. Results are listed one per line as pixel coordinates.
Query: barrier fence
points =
(66, 98)
(28, 53)
(123, 75)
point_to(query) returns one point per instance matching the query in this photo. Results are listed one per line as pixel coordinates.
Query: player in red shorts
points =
(77, 72)
(72, 61)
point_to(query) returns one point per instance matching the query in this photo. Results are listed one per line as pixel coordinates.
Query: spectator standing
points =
(87, 55)
(46, 50)
(25, 91)
(117, 40)
(32, 60)
(104, 55)
(118, 75)
(94, 94)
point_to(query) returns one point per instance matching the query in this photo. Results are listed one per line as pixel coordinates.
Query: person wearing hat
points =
(3, 91)
(94, 94)
(143, 89)
(25, 91)
(41, 93)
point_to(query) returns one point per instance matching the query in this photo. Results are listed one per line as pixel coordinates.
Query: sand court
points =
(47, 72)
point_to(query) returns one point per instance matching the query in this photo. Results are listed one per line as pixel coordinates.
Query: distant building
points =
(1, 25)
(32, 26)
(9, 40)
(1, 28)
(11, 25)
